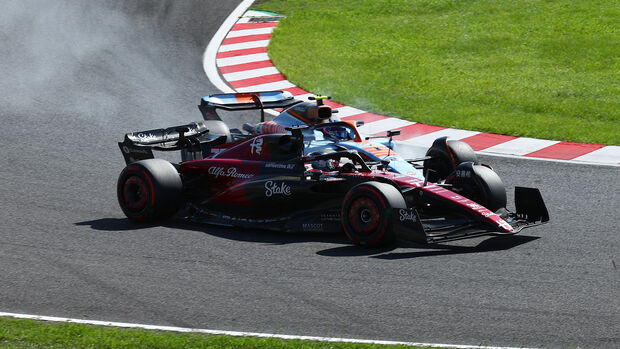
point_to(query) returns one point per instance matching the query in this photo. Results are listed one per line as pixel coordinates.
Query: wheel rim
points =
(135, 193)
(364, 216)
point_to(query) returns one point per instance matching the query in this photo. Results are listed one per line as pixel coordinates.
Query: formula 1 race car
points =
(229, 178)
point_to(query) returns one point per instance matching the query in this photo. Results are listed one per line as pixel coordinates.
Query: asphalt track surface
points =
(77, 75)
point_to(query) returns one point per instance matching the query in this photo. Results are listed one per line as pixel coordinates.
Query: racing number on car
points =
(256, 147)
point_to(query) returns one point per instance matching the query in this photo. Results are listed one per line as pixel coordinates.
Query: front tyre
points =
(480, 184)
(446, 154)
(149, 190)
(367, 213)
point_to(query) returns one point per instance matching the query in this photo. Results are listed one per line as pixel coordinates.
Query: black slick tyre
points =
(149, 190)
(480, 184)
(367, 213)
(446, 155)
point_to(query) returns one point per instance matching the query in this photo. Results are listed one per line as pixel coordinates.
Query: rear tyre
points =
(479, 183)
(447, 155)
(367, 213)
(149, 190)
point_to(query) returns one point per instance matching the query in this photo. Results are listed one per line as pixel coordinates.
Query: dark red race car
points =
(267, 181)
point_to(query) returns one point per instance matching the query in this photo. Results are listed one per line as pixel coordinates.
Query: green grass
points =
(20, 333)
(546, 69)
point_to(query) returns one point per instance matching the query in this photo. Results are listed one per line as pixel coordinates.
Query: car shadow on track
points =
(237, 234)
(491, 244)
(496, 243)
(115, 224)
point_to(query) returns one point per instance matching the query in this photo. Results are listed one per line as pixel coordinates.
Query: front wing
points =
(530, 207)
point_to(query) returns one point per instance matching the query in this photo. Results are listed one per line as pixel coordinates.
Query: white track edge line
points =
(241, 334)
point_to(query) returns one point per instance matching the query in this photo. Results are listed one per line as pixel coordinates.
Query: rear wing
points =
(192, 139)
(245, 101)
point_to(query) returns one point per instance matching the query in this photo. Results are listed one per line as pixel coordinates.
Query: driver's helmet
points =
(326, 165)
(339, 133)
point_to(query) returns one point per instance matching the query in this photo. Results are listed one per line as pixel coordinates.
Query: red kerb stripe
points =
(565, 150)
(247, 38)
(415, 130)
(245, 66)
(333, 104)
(296, 91)
(257, 81)
(486, 140)
(244, 52)
(257, 25)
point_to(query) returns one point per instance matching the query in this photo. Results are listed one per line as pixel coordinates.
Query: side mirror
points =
(393, 133)
(359, 123)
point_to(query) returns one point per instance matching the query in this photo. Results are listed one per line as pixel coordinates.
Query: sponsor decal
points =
(463, 173)
(407, 215)
(475, 206)
(145, 137)
(128, 150)
(274, 165)
(330, 217)
(227, 172)
(256, 147)
(279, 165)
(503, 224)
(272, 188)
(316, 227)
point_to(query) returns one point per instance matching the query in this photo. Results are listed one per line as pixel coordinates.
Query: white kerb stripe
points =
(272, 86)
(253, 73)
(520, 146)
(607, 155)
(244, 45)
(257, 57)
(238, 333)
(429, 138)
(303, 97)
(246, 32)
(348, 111)
(384, 125)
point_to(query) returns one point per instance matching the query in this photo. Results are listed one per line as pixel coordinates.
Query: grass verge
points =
(537, 68)
(23, 333)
